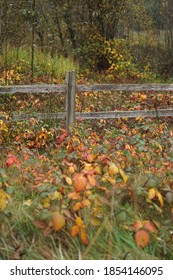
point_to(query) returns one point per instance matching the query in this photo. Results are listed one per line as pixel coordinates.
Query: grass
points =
(46, 67)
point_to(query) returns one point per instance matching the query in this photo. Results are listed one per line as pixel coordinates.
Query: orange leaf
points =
(75, 230)
(90, 158)
(83, 236)
(142, 238)
(80, 182)
(58, 221)
(77, 206)
(137, 225)
(74, 195)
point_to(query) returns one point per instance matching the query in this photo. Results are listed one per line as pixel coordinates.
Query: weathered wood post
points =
(70, 98)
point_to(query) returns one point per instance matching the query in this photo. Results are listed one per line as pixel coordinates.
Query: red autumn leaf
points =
(19, 252)
(39, 224)
(149, 226)
(47, 231)
(142, 238)
(61, 138)
(11, 159)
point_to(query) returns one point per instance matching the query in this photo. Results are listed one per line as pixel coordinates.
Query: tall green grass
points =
(44, 64)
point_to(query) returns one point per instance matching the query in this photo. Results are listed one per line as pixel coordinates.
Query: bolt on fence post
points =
(70, 98)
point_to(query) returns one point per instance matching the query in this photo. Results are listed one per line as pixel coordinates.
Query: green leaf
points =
(10, 190)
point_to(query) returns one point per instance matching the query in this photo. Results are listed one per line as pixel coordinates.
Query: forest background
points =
(94, 35)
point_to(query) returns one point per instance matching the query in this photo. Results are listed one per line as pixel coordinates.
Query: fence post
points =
(70, 98)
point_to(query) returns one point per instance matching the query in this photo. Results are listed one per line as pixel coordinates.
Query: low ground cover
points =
(101, 191)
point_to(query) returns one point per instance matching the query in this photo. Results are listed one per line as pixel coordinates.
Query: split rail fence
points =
(70, 88)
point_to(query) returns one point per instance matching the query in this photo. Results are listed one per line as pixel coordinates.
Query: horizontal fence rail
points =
(70, 89)
(82, 88)
(125, 87)
(99, 115)
(32, 89)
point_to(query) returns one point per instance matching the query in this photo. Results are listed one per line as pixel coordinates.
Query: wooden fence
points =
(70, 88)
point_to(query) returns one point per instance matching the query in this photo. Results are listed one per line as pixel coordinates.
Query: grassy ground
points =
(16, 65)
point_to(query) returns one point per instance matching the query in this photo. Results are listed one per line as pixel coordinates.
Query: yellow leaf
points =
(71, 169)
(159, 146)
(111, 180)
(113, 169)
(79, 222)
(68, 180)
(46, 202)
(123, 164)
(91, 180)
(27, 202)
(95, 221)
(160, 198)
(56, 195)
(4, 198)
(151, 193)
(88, 193)
(86, 202)
(87, 166)
(98, 170)
(123, 175)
